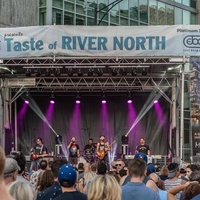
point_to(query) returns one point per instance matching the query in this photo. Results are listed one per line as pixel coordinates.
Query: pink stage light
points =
(78, 101)
(129, 101)
(26, 101)
(52, 101)
(103, 101)
(156, 101)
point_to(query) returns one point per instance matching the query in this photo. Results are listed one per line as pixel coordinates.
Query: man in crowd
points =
(136, 189)
(143, 148)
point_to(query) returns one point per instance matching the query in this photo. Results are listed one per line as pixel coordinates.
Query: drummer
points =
(89, 150)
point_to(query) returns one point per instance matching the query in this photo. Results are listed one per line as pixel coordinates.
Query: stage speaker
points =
(58, 139)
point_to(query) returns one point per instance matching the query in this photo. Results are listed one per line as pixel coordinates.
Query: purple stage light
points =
(156, 101)
(78, 101)
(129, 101)
(52, 101)
(103, 101)
(26, 101)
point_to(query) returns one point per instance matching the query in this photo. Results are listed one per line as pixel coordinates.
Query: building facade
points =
(118, 12)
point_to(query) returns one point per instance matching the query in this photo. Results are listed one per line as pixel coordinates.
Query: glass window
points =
(57, 3)
(42, 20)
(124, 8)
(153, 14)
(69, 6)
(57, 17)
(81, 9)
(178, 1)
(42, 3)
(133, 9)
(193, 18)
(80, 20)
(161, 14)
(68, 18)
(143, 12)
(91, 6)
(170, 14)
(80, 1)
(178, 17)
(133, 23)
(124, 21)
(193, 3)
(186, 17)
(186, 2)
(114, 17)
(90, 21)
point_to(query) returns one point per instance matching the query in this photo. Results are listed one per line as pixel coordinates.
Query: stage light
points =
(134, 72)
(123, 72)
(26, 101)
(70, 72)
(90, 72)
(103, 101)
(155, 101)
(144, 72)
(103, 98)
(129, 98)
(80, 73)
(57, 72)
(38, 72)
(28, 72)
(129, 101)
(47, 72)
(99, 72)
(114, 72)
(52, 98)
(78, 98)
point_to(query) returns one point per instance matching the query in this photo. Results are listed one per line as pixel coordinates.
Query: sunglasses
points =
(118, 165)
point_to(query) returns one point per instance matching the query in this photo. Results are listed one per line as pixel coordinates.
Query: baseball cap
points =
(141, 155)
(151, 168)
(172, 167)
(11, 166)
(67, 174)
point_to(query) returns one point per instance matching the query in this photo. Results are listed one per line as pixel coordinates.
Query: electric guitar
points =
(35, 156)
(101, 153)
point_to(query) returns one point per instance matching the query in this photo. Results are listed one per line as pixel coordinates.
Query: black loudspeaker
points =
(124, 139)
(58, 139)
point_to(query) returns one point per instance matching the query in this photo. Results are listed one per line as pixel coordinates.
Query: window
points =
(57, 17)
(170, 14)
(143, 12)
(161, 14)
(57, 3)
(42, 20)
(153, 13)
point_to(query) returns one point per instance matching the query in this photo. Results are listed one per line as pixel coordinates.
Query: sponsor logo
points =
(192, 41)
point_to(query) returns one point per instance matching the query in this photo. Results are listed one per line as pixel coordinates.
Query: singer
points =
(144, 148)
(74, 153)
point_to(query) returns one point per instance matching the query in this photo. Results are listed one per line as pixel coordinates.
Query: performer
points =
(144, 148)
(102, 150)
(74, 153)
(37, 152)
(89, 151)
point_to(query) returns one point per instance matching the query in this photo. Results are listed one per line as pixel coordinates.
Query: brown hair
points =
(136, 167)
(164, 171)
(2, 162)
(191, 191)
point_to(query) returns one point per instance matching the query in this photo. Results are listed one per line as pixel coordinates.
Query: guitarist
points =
(102, 150)
(37, 152)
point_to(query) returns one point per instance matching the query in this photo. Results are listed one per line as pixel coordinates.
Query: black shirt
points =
(143, 148)
(40, 149)
(73, 150)
(75, 195)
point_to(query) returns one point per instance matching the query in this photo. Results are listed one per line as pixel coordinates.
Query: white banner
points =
(100, 41)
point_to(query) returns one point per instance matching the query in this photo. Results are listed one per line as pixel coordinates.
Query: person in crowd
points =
(74, 153)
(46, 180)
(55, 189)
(190, 168)
(144, 148)
(115, 174)
(104, 187)
(67, 177)
(150, 169)
(191, 191)
(93, 167)
(80, 170)
(173, 178)
(21, 191)
(37, 152)
(183, 174)
(3, 190)
(11, 171)
(35, 175)
(195, 176)
(113, 166)
(136, 189)
(120, 164)
(164, 173)
(102, 150)
(89, 150)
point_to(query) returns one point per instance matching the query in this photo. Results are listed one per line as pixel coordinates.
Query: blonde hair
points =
(104, 187)
(21, 191)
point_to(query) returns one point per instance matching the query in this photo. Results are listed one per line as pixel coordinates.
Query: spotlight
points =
(90, 72)
(123, 72)
(129, 98)
(78, 98)
(103, 98)
(144, 72)
(28, 72)
(26, 101)
(38, 72)
(134, 72)
(47, 73)
(99, 72)
(79, 73)
(52, 98)
(114, 72)
(57, 72)
(70, 72)
(155, 101)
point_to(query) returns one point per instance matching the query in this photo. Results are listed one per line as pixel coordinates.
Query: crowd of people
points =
(61, 179)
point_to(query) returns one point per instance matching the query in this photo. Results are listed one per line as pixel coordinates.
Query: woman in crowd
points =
(191, 168)
(104, 187)
(21, 191)
(191, 191)
(164, 173)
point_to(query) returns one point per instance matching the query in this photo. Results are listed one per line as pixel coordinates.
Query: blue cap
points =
(151, 168)
(141, 155)
(67, 174)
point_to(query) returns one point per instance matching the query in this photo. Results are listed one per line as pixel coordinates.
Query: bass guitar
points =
(101, 153)
(35, 156)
